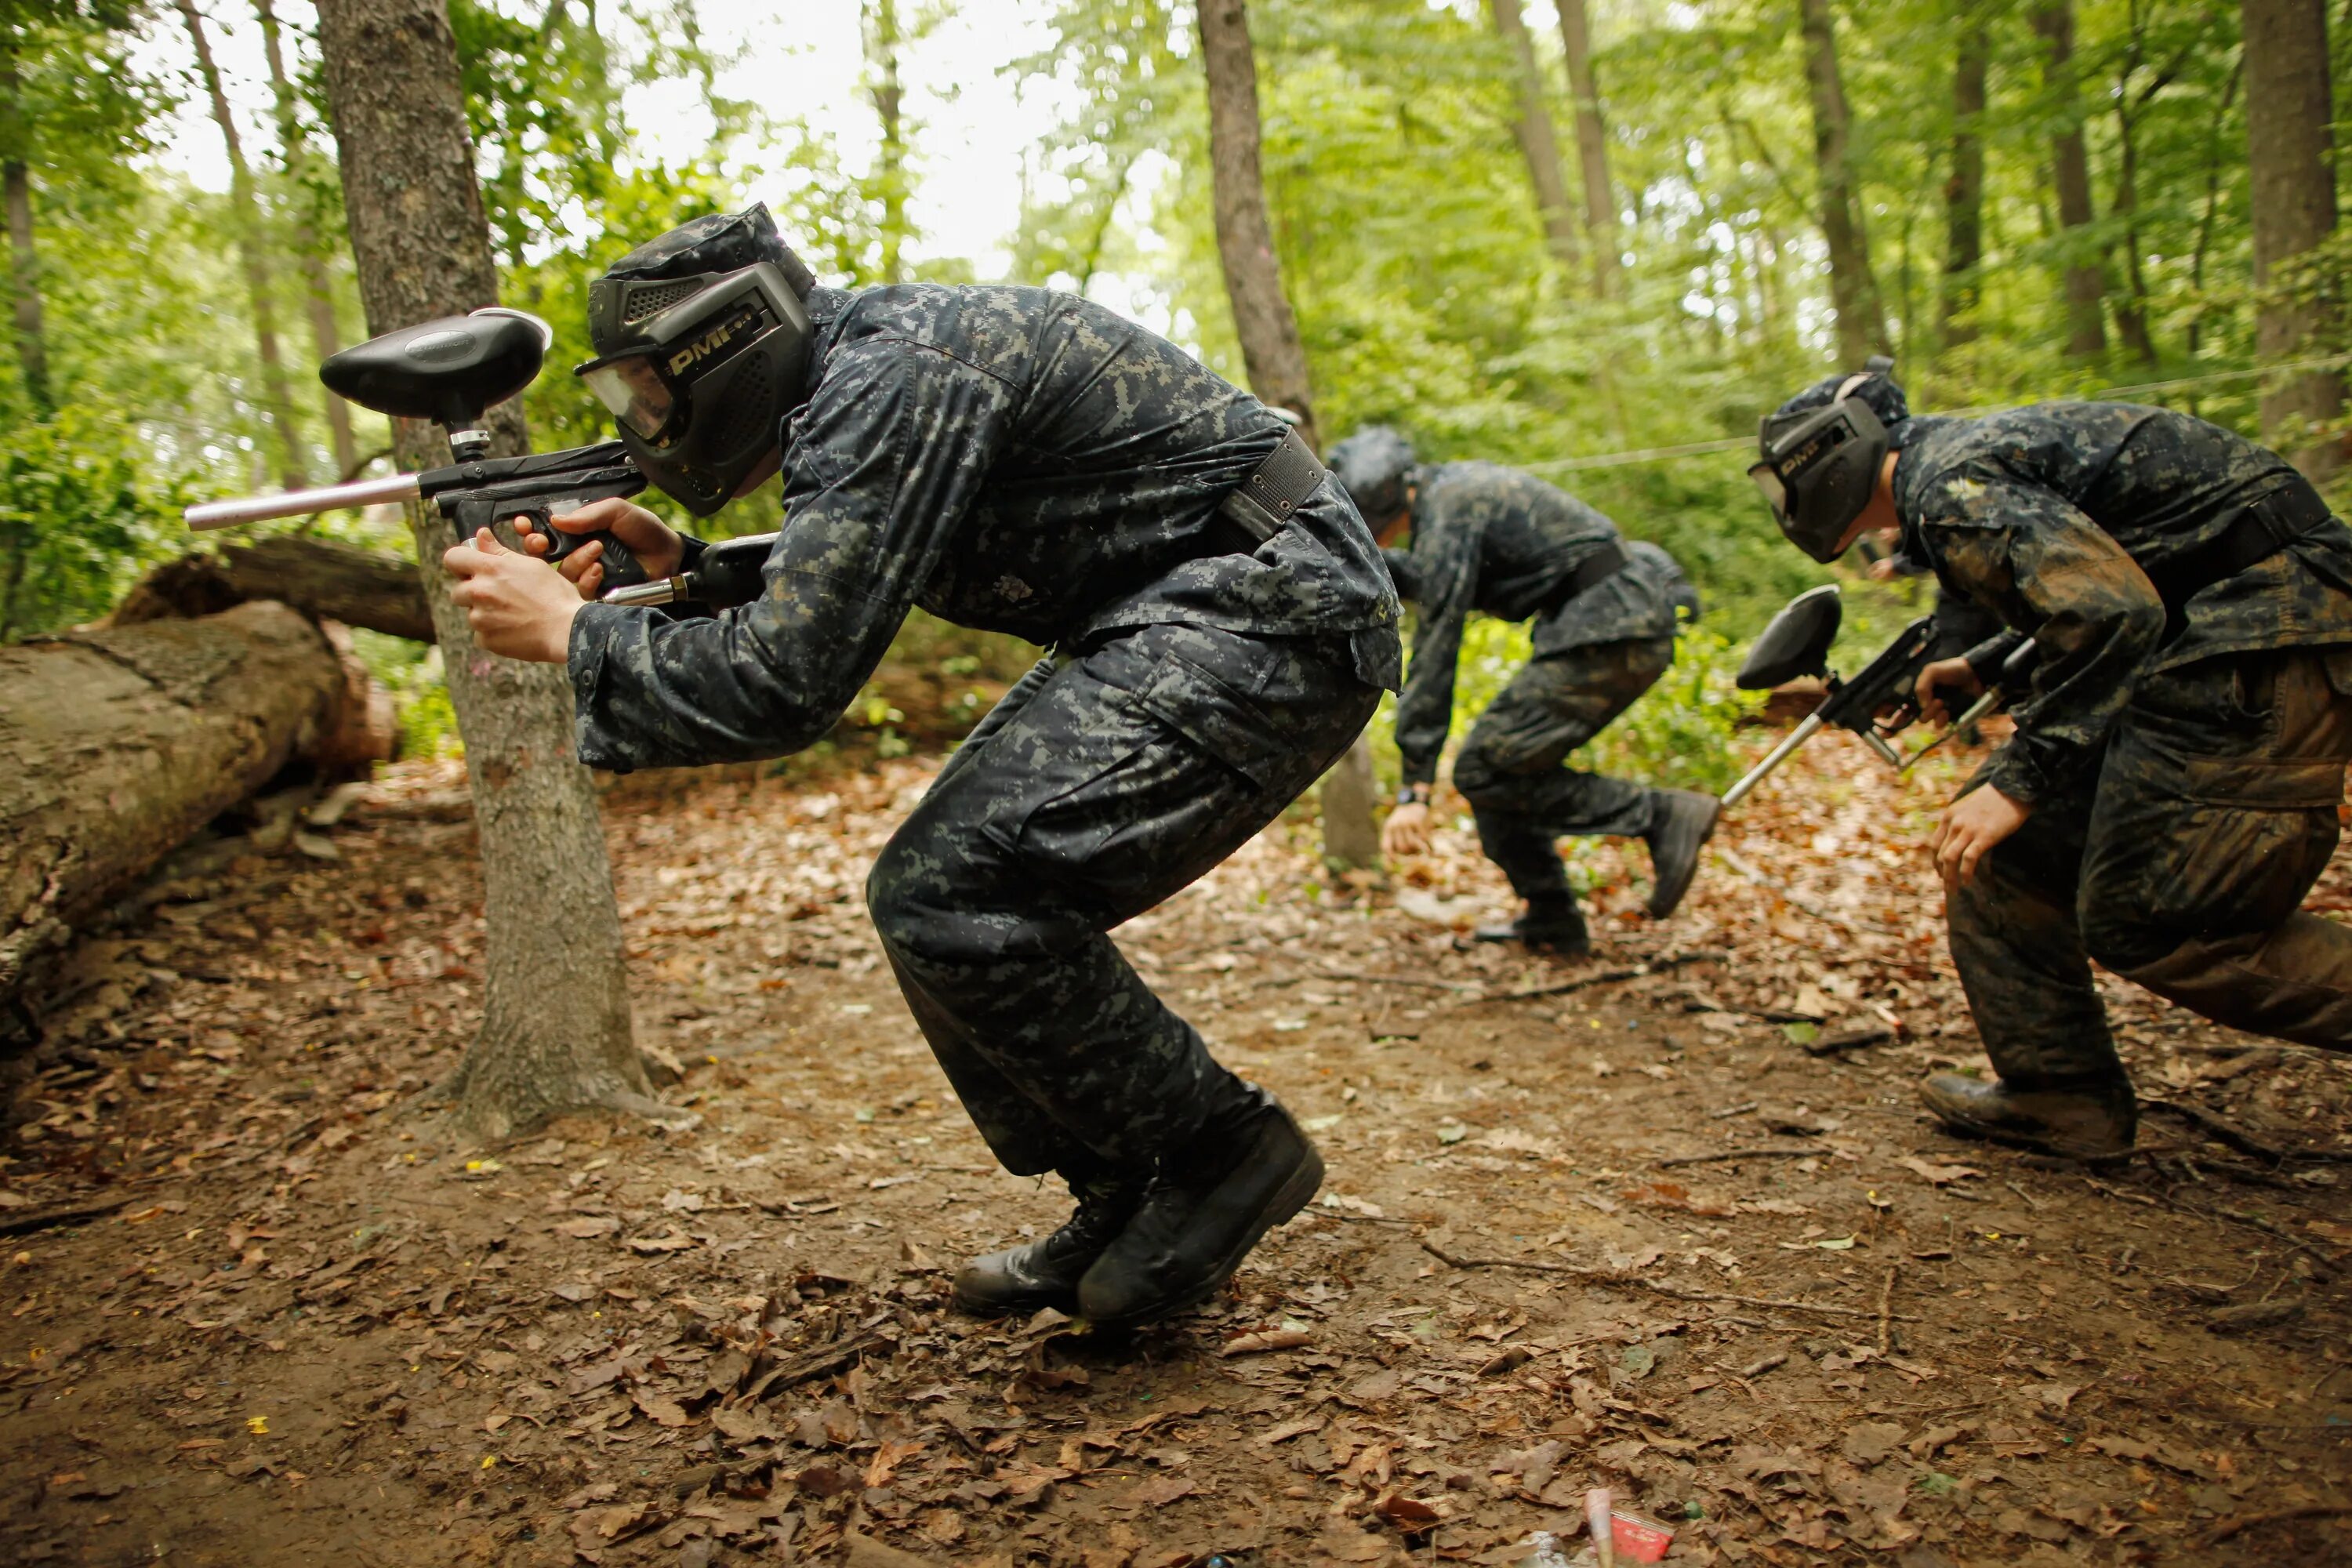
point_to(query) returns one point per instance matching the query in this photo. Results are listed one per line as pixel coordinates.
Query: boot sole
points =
(1067, 1302)
(2035, 1144)
(1298, 1190)
(1715, 819)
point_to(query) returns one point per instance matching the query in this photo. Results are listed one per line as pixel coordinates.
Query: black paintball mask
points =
(1820, 453)
(701, 342)
(1374, 466)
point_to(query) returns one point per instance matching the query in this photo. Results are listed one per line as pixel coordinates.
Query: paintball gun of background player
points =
(1876, 703)
(450, 372)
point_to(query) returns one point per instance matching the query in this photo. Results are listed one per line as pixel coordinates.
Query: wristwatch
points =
(1413, 795)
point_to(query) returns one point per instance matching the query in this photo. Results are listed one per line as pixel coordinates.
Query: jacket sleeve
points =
(1447, 578)
(882, 464)
(2094, 614)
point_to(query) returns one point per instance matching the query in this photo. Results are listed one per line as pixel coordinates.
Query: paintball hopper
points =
(447, 371)
(1796, 643)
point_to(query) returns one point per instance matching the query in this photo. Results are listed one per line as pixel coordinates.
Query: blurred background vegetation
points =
(1574, 238)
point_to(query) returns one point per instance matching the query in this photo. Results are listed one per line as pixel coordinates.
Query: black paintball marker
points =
(450, 372)
(1876, 704)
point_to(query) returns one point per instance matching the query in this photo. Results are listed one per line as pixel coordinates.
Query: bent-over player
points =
(2171, 791)
(1020, 462)
(1493, 539)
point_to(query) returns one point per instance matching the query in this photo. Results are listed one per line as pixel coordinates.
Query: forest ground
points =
(1636, 1232)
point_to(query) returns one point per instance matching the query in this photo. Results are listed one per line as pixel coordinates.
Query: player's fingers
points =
(592, 581)
(577, 564)
(488, 543)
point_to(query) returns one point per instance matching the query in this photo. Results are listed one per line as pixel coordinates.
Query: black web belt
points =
(1590, 573)
(2260, 531)
(1260, 504)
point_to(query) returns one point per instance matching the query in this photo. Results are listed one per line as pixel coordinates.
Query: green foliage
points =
(80, 517)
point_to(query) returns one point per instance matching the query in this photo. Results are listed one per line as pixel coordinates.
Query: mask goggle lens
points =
(633, 391)
(1776, 493)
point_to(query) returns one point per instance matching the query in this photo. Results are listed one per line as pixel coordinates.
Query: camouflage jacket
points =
(1009, 459)
(1504, 543)
(2053, 517)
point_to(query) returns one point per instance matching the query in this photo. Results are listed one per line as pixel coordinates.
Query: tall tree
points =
(24, 260)
(1271, 352)
(2070, 168)
(253, 256)
(883, 40)
(1854, 290)
(319, 293)
(555, 1029)
(1538, 143)
(2290, 161)
(1592, 145)
(1964, 184)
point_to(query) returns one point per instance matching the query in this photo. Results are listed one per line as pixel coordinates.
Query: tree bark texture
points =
(338, 582)
(1538, 142)
(24, 260)
(253, 255)
(1591, 146)
(1853, 291)
(2291, 169)
(318, 301)
(118, 743)
(2084, 270)
(1964, 185)
(1271, 352)
(555, 1030)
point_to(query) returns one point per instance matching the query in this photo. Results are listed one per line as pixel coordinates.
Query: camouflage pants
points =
(1096, 789)
(2181, 867)
(1510, 769)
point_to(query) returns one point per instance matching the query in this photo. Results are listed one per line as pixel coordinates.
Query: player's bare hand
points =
(1971, 825)
(1951, 675)
(517, 605)
(1406, 832)
(655, 544)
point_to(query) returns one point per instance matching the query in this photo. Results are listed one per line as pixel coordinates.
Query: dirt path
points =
(1631, 1234)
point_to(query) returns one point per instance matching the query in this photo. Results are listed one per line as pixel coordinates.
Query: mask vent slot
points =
(652, 300)
(751, 409)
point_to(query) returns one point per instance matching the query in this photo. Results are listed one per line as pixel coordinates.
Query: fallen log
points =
(118, 742)
(338, 582)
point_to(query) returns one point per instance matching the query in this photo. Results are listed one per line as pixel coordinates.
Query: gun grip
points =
(622, 568)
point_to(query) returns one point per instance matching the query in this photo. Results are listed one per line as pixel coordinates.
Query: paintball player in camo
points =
(1503, 543)
(1021, 461)
(2171, 791)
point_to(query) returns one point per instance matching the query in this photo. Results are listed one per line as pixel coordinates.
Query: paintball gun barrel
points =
(450, 372)
(1877, 704)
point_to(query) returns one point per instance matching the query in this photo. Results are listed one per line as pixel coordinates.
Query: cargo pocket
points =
(1225, 724)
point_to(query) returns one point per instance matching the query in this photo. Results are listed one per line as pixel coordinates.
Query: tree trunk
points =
(555, 1029)
(2085, 276)
(2291, 169)
(319, 303)
(116, 745)
(253, 253)
(1853, 291)
(1964, 186)
(338, 582)
(1537, 145)
(24, 262)
(1351, 839)
(1271, 352)
(1591, 146)
(883, 39)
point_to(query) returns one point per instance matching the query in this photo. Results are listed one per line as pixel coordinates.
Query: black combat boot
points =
(1046, 1273)
(1545, 927)
(1681, 821)
(1243, 1173)
(2085, 1119)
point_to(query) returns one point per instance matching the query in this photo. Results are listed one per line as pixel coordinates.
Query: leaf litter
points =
(314, 1321)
